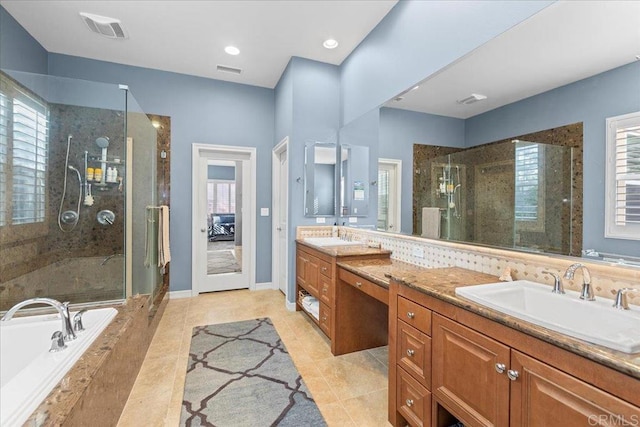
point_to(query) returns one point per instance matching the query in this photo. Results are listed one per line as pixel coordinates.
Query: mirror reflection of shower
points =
(69, 217)
(449, 180)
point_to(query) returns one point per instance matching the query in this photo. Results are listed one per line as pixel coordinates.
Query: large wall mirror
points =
(551, 94)
(319, 179)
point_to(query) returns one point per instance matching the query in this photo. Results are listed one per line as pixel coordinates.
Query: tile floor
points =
(350, 390)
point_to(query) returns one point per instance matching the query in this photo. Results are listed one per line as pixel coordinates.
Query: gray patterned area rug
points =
(240, 374)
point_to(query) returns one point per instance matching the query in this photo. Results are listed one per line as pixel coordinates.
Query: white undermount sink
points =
(330, 241)
(593, 321)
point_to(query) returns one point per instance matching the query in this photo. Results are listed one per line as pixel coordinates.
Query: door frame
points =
(276, 181)
(396, 165)
(223, 152)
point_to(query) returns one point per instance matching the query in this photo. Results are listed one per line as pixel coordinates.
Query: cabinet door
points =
(301, 262)
(311, 275)
(543, 396)
(465, 379)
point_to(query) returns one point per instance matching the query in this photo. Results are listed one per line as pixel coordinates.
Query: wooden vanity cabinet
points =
(486, 374)
(317, 275)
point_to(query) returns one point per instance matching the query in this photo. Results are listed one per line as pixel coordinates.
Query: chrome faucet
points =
(557, 283)
(587, 290)
(62, 307)
(621, 298)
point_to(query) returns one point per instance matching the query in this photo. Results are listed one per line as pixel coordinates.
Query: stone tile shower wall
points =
(488, 196)
(22, 257)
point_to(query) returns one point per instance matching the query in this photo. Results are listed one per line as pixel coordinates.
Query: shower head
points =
(102, 142)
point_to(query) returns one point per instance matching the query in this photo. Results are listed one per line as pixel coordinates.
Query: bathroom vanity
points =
(453, 360)
(352, 310)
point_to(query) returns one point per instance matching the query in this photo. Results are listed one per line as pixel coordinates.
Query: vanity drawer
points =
(325, 290)
(413, 350)
(325, 319)
(325, 269)
(414, 315)
(413, 401)
(364, 285)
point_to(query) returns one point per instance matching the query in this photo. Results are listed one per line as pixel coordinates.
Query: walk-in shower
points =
(73, 190)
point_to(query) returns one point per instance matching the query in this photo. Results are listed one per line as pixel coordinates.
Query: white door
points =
(223, 208)
(389, 194)
(280, 215)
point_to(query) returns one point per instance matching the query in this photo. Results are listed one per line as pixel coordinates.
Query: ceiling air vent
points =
(108, 27)
(226, 69)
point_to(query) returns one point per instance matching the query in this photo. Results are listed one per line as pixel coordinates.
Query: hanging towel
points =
(164, 254)
(431, 223)
(149, 236)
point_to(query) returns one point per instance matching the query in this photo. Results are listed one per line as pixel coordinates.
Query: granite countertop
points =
(346, 250)
(441, 283)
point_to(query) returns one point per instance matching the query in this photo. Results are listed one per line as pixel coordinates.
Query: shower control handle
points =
(106, 217)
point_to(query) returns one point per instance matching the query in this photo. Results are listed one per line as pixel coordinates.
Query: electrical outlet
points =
(321, 220)
(418, 252)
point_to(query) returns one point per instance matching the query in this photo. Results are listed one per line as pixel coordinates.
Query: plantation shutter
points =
(623, 176)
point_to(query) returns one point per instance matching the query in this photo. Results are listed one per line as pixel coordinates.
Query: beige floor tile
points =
(335, 415)
(381, 354)
(369, 409)
(353, 374)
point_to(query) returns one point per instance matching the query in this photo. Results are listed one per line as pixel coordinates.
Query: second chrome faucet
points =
(587, 290)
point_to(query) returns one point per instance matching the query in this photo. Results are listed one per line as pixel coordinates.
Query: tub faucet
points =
(587, 290)
(62, 307)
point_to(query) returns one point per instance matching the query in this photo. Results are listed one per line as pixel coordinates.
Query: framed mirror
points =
(354, 180)
(320, 179)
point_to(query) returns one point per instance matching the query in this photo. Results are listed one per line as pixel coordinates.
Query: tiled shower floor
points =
(350, 390)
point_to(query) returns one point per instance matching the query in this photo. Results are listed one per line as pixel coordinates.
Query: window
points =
(221, 196)
(529, 189)
(24, 137)
(622, 209)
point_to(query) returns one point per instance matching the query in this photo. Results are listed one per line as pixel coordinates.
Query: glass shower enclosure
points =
(77, 172)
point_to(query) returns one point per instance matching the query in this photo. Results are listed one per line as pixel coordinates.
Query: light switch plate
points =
(264, 211)
(321, 220)
(353, 219)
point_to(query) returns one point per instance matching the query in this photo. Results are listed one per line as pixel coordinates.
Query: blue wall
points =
(399, 130)
(18, 50)
(202, 111)
(416, 39)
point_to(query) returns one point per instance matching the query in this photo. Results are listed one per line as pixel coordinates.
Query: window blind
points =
(4, 144)
(29, 160)
(627, 175)
(527, 179)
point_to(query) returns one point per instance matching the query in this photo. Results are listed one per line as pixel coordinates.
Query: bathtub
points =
(28, 371)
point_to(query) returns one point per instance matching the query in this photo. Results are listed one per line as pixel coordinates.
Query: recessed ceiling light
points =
(330, 44)
(475, 97)
(232, 50)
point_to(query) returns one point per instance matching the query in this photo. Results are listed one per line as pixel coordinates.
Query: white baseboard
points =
(263, 286)
(291, 306)
(181, 294)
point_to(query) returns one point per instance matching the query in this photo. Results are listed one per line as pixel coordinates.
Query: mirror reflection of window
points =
(528, 191)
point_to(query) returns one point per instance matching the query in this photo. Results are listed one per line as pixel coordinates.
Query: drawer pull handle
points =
(410, 352)
(513, 375)
(500, 367)
(324, 290)
(324, 269)
(359, 284)
(411, 314)
(324, 318)
(409, 402)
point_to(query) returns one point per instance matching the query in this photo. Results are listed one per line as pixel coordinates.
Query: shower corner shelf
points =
(96, 159)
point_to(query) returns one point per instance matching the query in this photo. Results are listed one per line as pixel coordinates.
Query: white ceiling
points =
(563, 43)
(189, 37)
